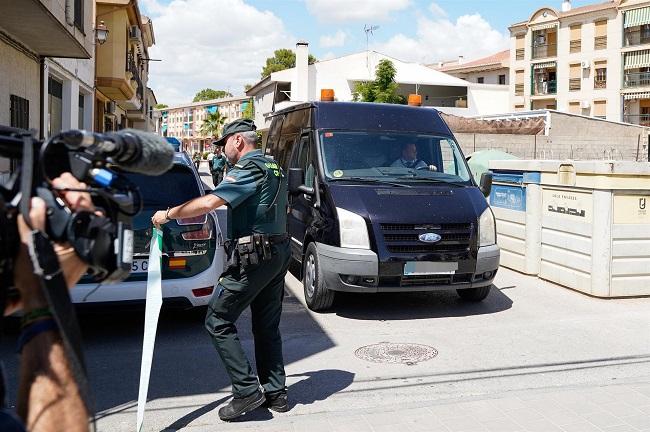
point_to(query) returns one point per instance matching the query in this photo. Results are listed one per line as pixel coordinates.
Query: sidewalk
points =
(614, 408)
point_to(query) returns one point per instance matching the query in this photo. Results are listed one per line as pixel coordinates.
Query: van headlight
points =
(487, 232)
(353, 230)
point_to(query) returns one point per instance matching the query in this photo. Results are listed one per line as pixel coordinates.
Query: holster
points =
(252, 249)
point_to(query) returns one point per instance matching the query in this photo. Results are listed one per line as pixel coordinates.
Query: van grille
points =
(403, 238)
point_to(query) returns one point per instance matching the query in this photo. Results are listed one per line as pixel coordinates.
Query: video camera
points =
(104, 238)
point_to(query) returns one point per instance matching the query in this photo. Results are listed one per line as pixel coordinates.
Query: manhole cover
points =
(404, 353)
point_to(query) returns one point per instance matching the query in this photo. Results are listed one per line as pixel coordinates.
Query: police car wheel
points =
(317, 296)
(474, 294)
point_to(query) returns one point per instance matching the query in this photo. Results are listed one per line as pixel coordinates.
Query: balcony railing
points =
(600, 83)
(641, 119)
(544, 50)
(544, 87)
(600, 42)
(135, 72)
(636, 37)
(574, 84)
(519, 89)
(520, 53)
(636, 79)
(575, 46)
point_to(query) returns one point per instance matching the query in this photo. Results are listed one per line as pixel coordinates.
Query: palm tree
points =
(212, 124)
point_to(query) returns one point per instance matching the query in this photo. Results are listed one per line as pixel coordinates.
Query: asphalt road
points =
(528, 334)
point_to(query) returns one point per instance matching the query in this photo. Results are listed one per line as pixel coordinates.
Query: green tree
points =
(208, 93)
(212, 125)
(160, 106)
(249, 111)
(282, 59)
(383, 89)
(247, 87)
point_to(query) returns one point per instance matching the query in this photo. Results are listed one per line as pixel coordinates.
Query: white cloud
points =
(436, 10)
(221, 44)
(441, 39)
(355, 10)
(335, 40)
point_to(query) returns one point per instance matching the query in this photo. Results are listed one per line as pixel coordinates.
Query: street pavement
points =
(533, 356)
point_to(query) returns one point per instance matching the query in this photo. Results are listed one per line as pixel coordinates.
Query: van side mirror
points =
(486, 183)
(297, 182)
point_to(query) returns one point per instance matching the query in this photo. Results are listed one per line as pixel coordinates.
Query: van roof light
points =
(415, 100)
(327, 95)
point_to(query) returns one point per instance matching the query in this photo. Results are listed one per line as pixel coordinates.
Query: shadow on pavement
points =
(418, 305)
(185, 363)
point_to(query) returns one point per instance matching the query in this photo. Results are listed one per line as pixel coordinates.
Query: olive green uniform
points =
(256, 193)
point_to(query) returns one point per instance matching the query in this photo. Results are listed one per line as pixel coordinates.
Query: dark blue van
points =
(382, 200)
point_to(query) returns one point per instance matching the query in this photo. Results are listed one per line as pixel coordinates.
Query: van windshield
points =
(395, 156)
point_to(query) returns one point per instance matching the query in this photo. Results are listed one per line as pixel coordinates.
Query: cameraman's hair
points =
(250, 137)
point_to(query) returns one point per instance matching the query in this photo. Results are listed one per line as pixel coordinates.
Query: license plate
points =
(140, 266)
(416, 268)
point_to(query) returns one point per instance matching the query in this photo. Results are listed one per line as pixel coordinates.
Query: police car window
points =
(175, 187)
(305, 161)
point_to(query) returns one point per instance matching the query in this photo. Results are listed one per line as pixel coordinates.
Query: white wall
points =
(486, 99)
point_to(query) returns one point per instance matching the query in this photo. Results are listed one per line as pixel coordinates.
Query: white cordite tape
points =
(152, 312)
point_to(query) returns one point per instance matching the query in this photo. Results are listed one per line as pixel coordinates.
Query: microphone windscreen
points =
(157, 155)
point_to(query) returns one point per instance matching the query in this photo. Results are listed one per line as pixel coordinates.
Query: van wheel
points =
(474, 294)
(317, 296)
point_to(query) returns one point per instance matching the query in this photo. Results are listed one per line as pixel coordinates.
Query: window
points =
(520, 44)
(55, 106)
(519, 107)
(79, 14)
(574, 108)
(502, 79)
(575, 44)
(305, 160)
(19, 112)
(519, 82)
(575, 77)
(600, 109)
(81, 112)
(600, 76)
(480, 80)
(600, 32)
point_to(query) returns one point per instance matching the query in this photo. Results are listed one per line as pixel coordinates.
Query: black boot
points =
(240, 406)
(277, 401)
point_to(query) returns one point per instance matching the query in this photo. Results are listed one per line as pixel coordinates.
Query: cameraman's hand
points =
(73, 268)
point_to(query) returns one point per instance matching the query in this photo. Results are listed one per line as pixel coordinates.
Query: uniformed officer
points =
(255, 192)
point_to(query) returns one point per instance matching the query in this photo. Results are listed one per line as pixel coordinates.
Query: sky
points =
(223, 44)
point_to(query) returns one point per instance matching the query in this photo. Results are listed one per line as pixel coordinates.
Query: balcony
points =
(600, 83)
(636, 79)
(544, 88)
(635, 36)
(640, 119)
(544, 51)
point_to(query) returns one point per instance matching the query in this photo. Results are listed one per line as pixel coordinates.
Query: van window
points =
(304, 160)
(274, 135)
(293, 124)
(402, 157)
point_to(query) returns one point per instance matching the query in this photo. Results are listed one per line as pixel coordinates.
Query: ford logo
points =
(429, 238)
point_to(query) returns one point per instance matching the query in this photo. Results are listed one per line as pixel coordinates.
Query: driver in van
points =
(409, 158)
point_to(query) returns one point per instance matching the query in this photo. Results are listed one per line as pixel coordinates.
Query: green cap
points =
(240, 125)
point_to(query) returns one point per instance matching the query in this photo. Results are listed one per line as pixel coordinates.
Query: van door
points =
(301, 206)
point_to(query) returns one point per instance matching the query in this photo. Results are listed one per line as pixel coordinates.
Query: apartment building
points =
(46, 65)
(184, 121)
(592, 60)
(122, 69)
(493, 69)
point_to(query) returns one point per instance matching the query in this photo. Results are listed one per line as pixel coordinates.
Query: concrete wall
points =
(489, 77)
(19, 75)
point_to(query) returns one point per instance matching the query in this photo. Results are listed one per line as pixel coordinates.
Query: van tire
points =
(317, 296)
(474, 294)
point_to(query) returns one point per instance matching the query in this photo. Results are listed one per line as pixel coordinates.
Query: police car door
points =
(301, 205)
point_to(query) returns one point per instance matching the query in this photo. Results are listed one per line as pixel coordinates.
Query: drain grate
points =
(404, 353)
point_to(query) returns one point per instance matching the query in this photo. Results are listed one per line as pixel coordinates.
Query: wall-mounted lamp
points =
(101, 33)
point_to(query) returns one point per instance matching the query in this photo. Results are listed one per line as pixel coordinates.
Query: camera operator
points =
(48, 396)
